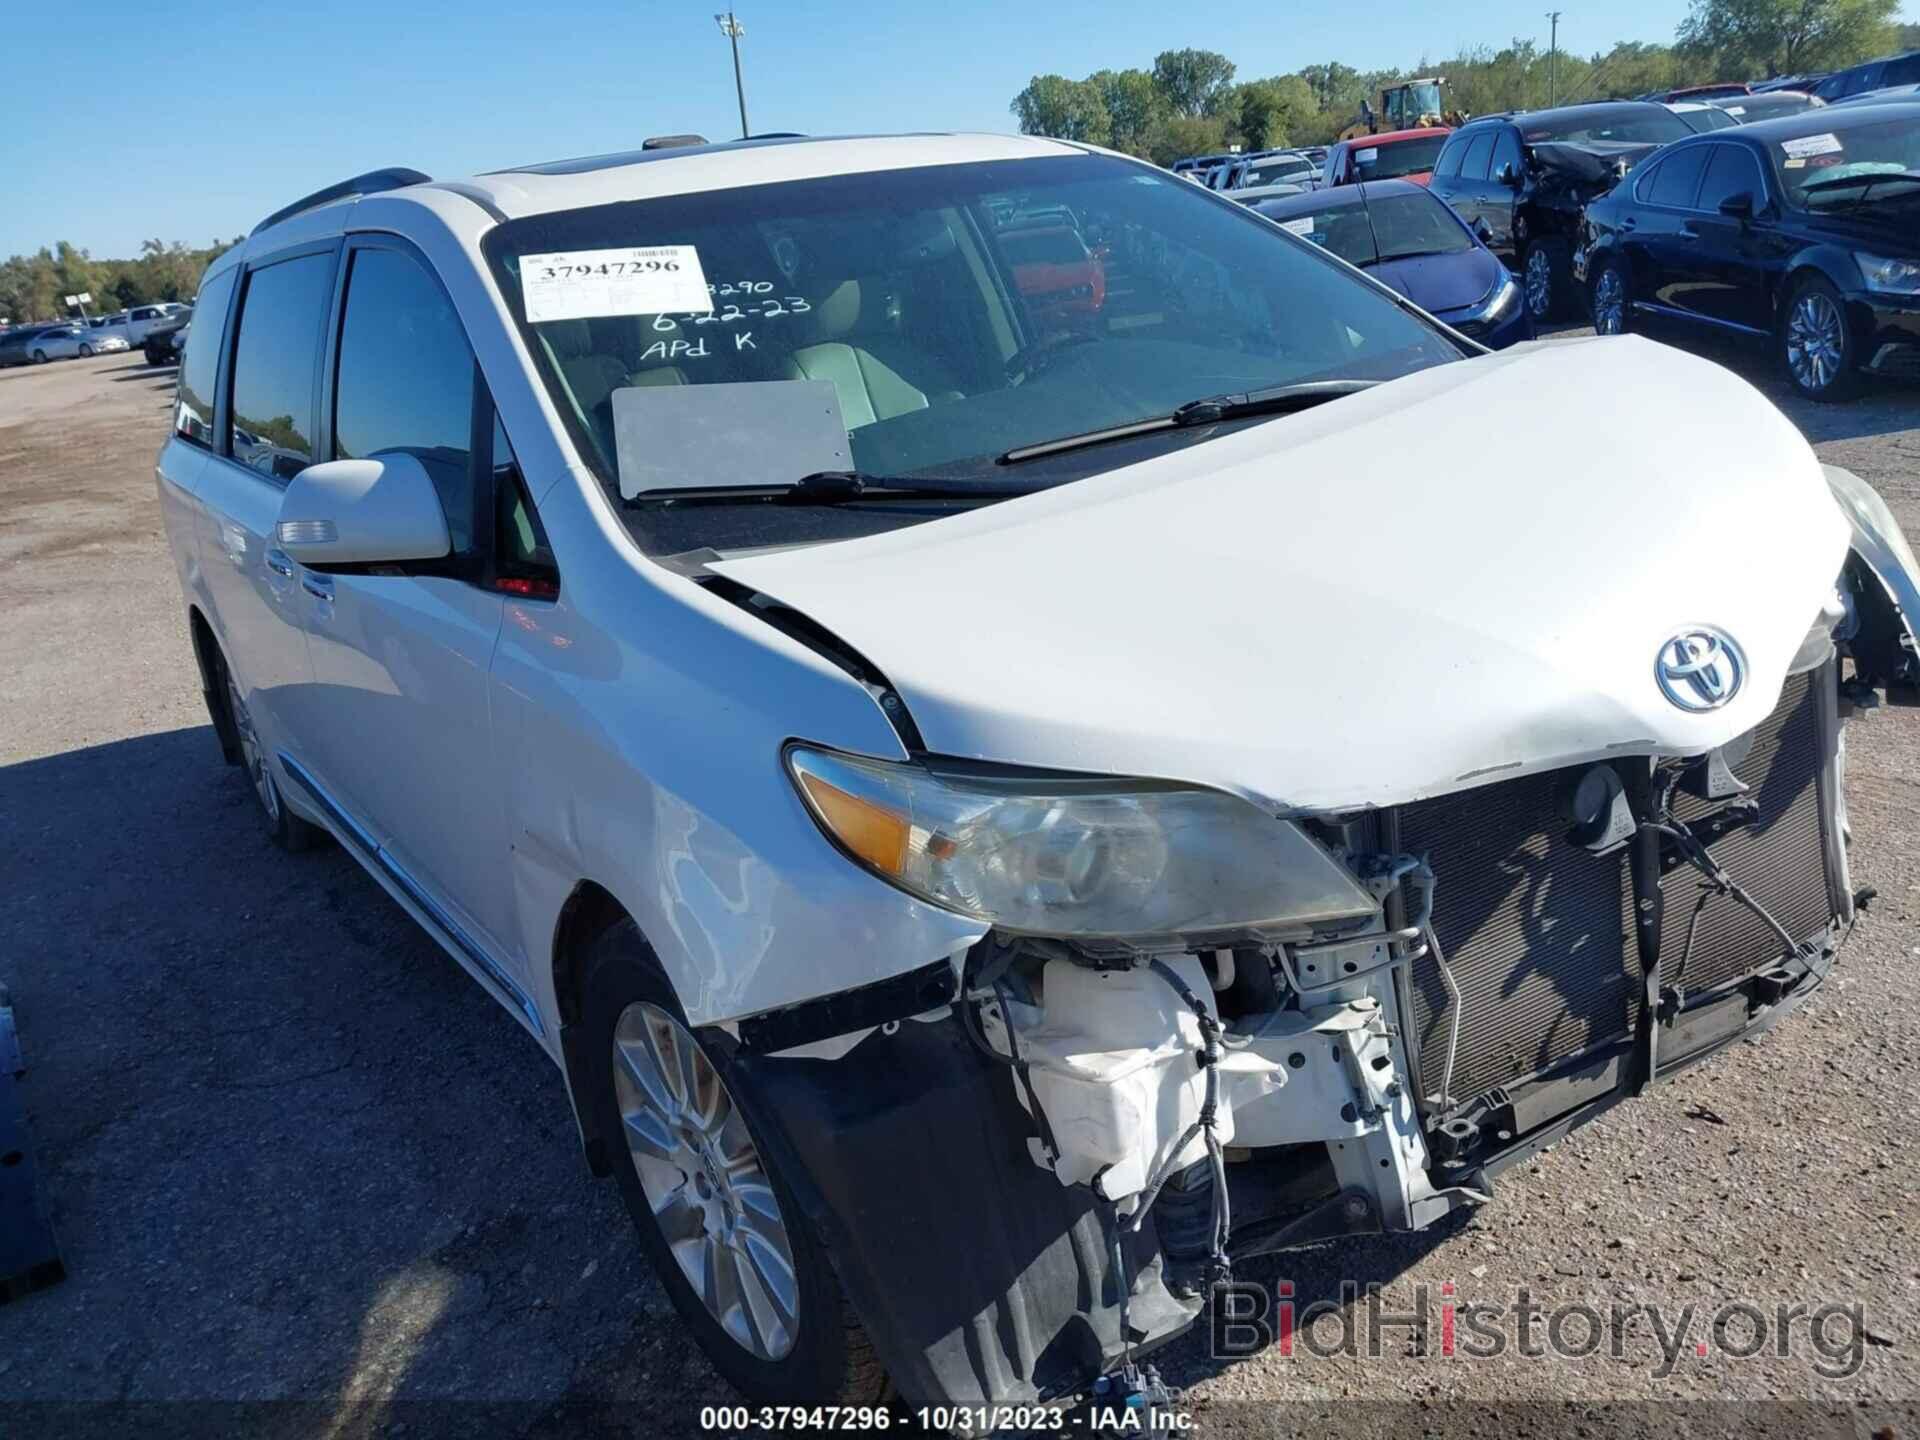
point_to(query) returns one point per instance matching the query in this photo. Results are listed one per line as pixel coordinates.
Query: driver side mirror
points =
(363, 512)
(1738, 207)
(1482, 231)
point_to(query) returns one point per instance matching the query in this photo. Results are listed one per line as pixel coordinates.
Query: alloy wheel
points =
(1539, 282)
(86, 352)
(704, 1181)
(1610, 303)
(1816, 341)
(251, 754)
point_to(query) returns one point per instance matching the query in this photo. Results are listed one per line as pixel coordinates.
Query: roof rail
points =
(671, 142)
(371, 183)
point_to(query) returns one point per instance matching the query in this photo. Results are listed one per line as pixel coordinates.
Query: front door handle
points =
(318, 586)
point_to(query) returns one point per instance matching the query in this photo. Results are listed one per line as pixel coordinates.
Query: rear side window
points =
(1730, 172)
(406, 378)
(1904, 71)
(1677, 179)
(193, 407)
(275, 362)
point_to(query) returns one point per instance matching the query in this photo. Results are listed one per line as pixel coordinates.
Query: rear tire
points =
(1816, 345)
(284, 828)
(1612, 300)
(1546, 271)
(679, 1171)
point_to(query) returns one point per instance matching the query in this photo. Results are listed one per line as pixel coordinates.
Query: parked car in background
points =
(1888, 95)
(931, 781)
(1394, 155)
(1698, 93)
(18, 345)
(1528, 176)
(1767, 105)
(1701, 117)
(59, 342)
(1269, 192)
(1802, 234)
(1804, 82)
(143, 318)
(163, 342)
(1275, 167)
(1873, 75)
(1055, 271)
(105, 341)
(1415, 243)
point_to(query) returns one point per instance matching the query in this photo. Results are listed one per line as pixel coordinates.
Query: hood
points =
(1464, 575)
(1442, 282)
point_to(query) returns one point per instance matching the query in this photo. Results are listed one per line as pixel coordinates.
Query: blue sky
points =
(267, 102)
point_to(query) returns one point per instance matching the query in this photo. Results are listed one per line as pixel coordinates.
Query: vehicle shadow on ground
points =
(1882, 407)
(290, 1148)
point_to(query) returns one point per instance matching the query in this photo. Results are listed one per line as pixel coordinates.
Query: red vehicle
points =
(1054, 270)
(1395, 155)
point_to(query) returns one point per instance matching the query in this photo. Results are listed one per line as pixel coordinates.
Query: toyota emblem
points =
(1700, 669)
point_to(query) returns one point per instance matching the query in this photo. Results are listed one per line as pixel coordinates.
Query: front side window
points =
(276, 358)
(1730, 172)
(959, 311)
(405, 379)
(1477, 163)
(200, 365)
(1506, 152)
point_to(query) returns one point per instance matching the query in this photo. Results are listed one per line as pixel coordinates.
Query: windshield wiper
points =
(1278, 400)
(1865, 182)
(835, 487)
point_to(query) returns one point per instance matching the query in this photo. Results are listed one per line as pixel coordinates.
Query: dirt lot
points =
(296, 1156)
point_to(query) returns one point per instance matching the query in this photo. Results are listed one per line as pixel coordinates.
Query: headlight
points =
(1090, 859)
(1895, 277)
(1497, 306)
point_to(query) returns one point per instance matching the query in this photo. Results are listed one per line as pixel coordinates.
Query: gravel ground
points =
(295, 1156)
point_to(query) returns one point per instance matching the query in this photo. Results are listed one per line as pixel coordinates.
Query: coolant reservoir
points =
(1112, 1065)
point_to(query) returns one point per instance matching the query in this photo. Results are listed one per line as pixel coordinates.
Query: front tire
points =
(723, 1230)
(39, 357)
(86, 352)
(1817, 348)
(284, 828)
(1547, 273)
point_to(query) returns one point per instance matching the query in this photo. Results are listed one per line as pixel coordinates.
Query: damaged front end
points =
(1196, 1032)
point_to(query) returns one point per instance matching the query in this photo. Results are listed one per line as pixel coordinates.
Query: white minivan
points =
(948, 746)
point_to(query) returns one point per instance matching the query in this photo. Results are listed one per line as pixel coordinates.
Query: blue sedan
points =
(1410, 240)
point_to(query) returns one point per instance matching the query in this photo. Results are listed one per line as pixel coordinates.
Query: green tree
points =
(1178, 136)
(1335, 87)
(1193, 82)
(1065, 109)
(1272, 112)
(1135, 107)
(1783, 37)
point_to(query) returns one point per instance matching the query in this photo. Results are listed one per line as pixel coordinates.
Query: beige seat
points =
(592, 376)
(876, 374)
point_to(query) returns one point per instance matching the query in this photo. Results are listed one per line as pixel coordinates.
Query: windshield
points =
(1816, 169)
(952, 328)
(1401, 157)
(1386, 227)
(1642, 125)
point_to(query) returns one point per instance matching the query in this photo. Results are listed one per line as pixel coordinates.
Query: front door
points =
(401, 661)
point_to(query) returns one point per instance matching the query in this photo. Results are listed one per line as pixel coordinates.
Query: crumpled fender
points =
(1882, 548)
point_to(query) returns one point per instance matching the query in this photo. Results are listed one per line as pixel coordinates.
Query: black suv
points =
(1529, 176)
(1873, 75)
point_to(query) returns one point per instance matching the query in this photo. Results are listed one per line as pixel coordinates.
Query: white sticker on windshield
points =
(1736, 109)
(1808, 145)
(1366, 157)
(1302, 226)
(582, 284)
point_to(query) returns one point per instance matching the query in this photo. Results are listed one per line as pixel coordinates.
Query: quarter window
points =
(274, 364)
(406, 379)
(1678, 177)
(193, 407)
(1730, 172)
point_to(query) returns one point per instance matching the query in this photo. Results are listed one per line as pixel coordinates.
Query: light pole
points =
(1553, 56)
(733, 30)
